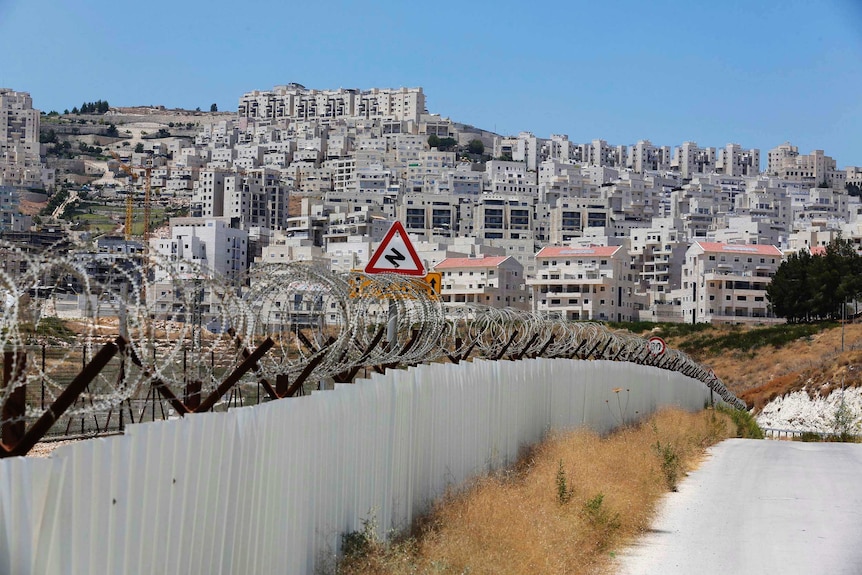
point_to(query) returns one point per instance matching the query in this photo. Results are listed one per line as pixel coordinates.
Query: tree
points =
(75, 110)
(806, 287)
(49, 137)
(139, 148)
(213, 108)
(476, 147)
(433, 141)
(112, 131)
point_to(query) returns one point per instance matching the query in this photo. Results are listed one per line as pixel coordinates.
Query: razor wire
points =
(184, 323)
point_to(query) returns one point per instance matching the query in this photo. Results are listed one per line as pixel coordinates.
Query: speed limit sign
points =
(657, 346)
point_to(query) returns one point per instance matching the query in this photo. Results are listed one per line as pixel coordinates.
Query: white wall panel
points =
(272, 488)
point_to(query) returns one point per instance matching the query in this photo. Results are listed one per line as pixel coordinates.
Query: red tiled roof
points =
(714, 247)
(576, 252)
(817, 250)
(483, 262)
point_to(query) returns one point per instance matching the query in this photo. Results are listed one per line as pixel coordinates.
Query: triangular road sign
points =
(396, 255)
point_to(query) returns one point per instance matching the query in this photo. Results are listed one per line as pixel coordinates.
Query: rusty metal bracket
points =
(63, 401)
(506, 347)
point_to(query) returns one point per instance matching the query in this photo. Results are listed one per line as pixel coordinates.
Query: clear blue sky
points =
(754, 72)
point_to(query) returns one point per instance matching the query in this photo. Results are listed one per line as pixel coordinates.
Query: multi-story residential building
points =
(582, 283)
(367, 223)
(285, 248)
(734, 161)
(726, 283)
(11, 218)
(494, 281)
(214, 244)
(691, 160)
(504, 217)
(525, 148)
(257, 198)
(20, 150)
(818, 204)
(814, 169)
(644, 157)
(657, 253)
(570, 218)
(431, 216)
(296, 103)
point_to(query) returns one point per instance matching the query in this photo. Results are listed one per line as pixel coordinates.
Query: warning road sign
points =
(396, 255)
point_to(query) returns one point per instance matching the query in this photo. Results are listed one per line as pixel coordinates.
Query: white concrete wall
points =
(271, 489)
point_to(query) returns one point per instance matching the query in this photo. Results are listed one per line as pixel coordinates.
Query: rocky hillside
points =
(793, 376)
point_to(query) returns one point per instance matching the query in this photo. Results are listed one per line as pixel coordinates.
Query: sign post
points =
(395, 255)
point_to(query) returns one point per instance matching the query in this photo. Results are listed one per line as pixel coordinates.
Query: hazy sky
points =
(753, 72)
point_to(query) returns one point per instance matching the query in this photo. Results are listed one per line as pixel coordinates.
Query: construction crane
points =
(129, 203)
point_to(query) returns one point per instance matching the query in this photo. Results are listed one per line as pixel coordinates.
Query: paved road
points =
(760, 507)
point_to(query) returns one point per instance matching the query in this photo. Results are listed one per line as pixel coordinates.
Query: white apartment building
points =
(748, 230)
(582, 283)
(726, 283)
(732, 160)
(691, 160)
(525, 148)
(657, 253)
(20, 150)
(431, 216)
(210, 243)
(504, 217)
(283, 248)
(644, 157)
(494, 281)
(257, 198)
(815, 169)
(296, 103)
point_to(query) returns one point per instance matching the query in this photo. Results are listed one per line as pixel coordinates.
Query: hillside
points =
(788, 373)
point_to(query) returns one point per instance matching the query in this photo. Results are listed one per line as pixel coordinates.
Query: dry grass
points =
(814, 363)
(520, 522)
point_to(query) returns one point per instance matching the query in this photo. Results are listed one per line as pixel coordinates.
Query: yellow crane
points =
(129, 203)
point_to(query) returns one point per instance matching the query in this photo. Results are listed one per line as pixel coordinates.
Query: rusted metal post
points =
(14, 425)
(236, 375)
(520, 354)
(64, 400)
(508, 344)
(193, 395)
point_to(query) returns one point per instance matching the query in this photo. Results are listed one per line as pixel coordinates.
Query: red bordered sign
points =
(396, 255)
(657, 346)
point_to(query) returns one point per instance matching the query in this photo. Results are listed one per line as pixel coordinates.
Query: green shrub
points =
(671, 466)
(746, 425)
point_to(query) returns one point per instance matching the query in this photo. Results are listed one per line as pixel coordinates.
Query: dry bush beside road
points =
(565, 507)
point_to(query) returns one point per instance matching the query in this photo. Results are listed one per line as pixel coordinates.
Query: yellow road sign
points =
(434, 281)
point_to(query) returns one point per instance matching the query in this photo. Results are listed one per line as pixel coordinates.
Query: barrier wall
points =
(271, 488)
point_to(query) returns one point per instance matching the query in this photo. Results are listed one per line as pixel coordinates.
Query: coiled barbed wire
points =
(185, 323)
